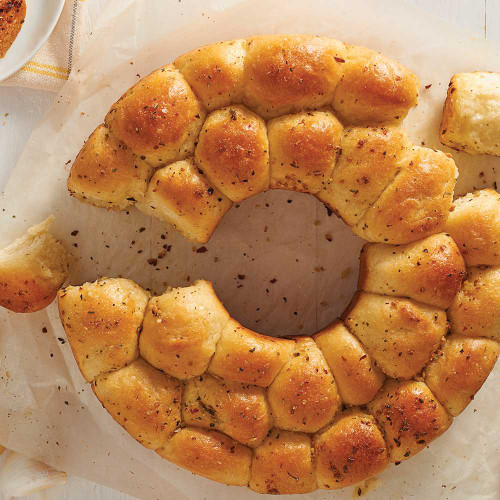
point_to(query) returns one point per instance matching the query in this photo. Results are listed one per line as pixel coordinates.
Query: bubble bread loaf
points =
(230, 120)
(471, 113)
(291, 415)
(12, 14)
(32, 269)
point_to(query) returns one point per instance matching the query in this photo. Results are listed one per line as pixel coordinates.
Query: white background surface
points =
(25, 108)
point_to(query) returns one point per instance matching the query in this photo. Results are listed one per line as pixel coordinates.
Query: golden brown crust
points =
(159, 118)
(12, 15)
(470, 120)
(460, 370)
(215, 72)
(32, 269)
(401, 335)
(102, 321)
(249, 357)
(303, 397)
(369, 160)
(180, 195)
(475, 310)
(106, 173)
(416, 204)
(233, 152)
(357, 377)
(429, 270)
(209, 454)
(474, 224)
(145, 401)
(289, 73)
(351, 450)
(303, 150)
(410, 416)
(239, 410)
(373, 88)
(283, 464)
(181, 329)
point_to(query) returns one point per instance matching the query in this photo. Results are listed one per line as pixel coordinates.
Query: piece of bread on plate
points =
(12, 14)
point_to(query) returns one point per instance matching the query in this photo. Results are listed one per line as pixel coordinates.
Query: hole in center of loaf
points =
(281, 263)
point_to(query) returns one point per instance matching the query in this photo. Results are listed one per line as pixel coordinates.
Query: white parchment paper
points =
(271, 259)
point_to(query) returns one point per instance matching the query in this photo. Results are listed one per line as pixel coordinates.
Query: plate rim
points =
(27, 57)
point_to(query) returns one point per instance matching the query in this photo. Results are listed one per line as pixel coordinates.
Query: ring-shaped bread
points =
(289, 415)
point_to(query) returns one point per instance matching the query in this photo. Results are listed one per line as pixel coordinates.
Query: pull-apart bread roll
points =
(304, 149)
(288, 73)
(180, 195)
(475, 311)
(388, 190)
(471, 114)
(350, 450)
(12, 14)
(181, 329)
(400, 334)
(368, 161)
(429, 270)
(248, 357)
(283, 464)
(357, 377)
(159, 118)
(215, 72)
(460, 370)
(303, 397)
(373, 88)
(233, 152)
(416, 203)
(102, 321)
(474, 224)
(107, 174)
(210, 454)
(145, 401)
(32, 269)
(239, 410)
(410, 416)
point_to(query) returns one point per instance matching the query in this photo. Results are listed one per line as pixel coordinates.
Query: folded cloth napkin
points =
(51, 65)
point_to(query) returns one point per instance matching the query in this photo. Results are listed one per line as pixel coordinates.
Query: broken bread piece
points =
(32, 269)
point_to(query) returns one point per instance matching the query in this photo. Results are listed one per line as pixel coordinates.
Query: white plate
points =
(41, 19)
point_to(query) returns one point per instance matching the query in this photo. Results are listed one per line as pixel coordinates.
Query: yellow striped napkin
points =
(51, 65)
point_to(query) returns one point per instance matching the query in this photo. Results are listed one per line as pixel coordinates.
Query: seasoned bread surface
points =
(471, 113)
(32, 269)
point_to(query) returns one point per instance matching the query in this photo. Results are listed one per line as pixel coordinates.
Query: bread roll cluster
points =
(233, 119)
(291, 415)
(288, 415)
